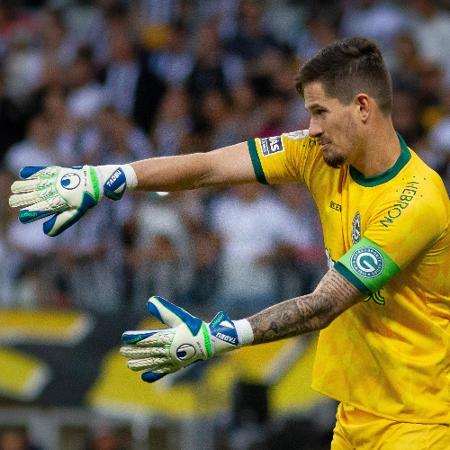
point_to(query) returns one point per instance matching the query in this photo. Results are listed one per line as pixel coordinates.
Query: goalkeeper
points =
(383, 307)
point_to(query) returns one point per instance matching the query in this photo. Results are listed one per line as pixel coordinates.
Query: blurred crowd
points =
(110, 81)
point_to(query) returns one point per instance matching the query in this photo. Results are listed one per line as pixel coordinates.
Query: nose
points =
(315, 130)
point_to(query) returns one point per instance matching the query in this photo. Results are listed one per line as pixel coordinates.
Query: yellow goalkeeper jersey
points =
(389, 236)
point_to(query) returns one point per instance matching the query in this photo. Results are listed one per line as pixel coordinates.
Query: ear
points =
(364, 105)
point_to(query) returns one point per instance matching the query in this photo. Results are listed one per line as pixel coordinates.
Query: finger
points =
(172, 315)
(22, 186)
(151, 377)
(134, 352)
(149, 338)
(135, 336)
(31, 171)
(154, 364)
(61, 221)
(29, 215)
(41, 210)
(20, 200)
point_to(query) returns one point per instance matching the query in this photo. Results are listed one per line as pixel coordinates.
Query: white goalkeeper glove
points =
(162, 351)
(67, 192)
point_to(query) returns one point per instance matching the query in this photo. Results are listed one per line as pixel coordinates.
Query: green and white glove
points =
(162, 351)
(67, 192)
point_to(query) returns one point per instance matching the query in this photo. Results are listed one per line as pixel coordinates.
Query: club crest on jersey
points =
(271, 145)
(356, 228)
(367, 262)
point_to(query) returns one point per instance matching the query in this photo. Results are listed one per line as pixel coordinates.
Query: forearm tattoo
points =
(310, 312)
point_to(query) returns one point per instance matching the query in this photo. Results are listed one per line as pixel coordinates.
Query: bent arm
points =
(224, 166)
(333, 295)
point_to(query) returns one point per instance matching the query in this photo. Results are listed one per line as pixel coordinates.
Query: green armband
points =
(367, 266)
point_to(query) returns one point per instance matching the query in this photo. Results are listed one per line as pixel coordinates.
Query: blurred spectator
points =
(7, 273)
(57, 45)
(38, 147)
(244, 104)
(23, 68)
(214, 68)
(13, 20)
(252, 39)
(154, 19)
(11, 122)
(117, 139)
(130, 87)
(173, 123)
(252, 223)
(299, 259)
(173, 63)
(104, 437)
(92, 262)
(377, 19)
(317, 33)
(439, 139)
(406, 117)
(274, 118)
(16, 440)
(206, 251)
(159, 257)
(407, 63)
(85, 96)
(216, 111)
(31, 263)
(104, 17)
(431, 29)
(430, 93)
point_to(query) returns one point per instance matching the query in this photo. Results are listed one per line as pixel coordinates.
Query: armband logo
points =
(367, 262)
(271, 145)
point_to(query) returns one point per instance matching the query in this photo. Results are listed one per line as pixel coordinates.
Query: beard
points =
(332, 159)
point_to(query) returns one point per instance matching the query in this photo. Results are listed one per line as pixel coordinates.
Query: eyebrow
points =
(314, 105)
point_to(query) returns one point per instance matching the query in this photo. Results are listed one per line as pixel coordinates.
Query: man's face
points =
(332, 123)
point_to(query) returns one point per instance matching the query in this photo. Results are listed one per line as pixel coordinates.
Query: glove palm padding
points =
(66, 193)
(188, 339)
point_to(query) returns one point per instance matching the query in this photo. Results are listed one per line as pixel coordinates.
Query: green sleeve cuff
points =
(367, 264)
(257, 167)
(340, 268)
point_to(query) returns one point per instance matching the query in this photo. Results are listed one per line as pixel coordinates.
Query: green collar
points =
(381, 178)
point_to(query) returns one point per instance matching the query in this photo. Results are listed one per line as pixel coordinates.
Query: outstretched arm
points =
(66, 193)
(188, 338)
(333, 295)
(225, 166)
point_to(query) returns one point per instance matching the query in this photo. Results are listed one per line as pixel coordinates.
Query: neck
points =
(380, 151)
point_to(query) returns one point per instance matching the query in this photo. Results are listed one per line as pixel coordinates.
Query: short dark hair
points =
(347, 67)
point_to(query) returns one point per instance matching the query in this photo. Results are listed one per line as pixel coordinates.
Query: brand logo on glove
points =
(70, 181)
(113, 178)
(226, 338)
(185, 351)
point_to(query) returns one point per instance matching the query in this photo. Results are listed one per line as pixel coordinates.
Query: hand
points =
(65, 192)
(189, 339)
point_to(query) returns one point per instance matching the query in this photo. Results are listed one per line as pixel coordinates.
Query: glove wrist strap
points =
(131, 177)
(244, 331)
(116, 179)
